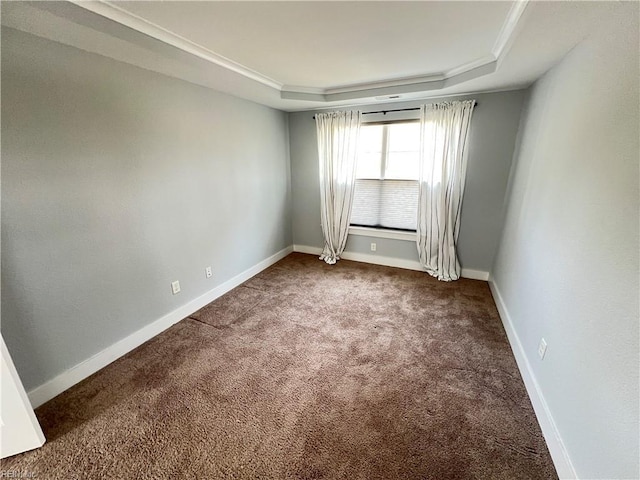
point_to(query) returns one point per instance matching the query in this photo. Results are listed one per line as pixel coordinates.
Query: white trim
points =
(302, 89)
(307, 249)
(21, 432)
(467, 67)
(413, 101)
(366, 258)
(82, 370)
(356, 87)
(559, 454)
(128, 19)
(380, 233)
(432, 81)
(509, 29)
(475, 274)
(435, 81)
(388, 261)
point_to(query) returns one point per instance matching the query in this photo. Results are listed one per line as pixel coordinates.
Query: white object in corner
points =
(389, 261)
(79, 372)
(19, 427)
(558, 452)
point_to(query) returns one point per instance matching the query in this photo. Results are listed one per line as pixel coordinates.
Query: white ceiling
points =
(327, 45)
(305, 55)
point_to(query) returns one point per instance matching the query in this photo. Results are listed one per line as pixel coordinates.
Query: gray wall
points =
(567, 266)
(115, 182)
(493, 133)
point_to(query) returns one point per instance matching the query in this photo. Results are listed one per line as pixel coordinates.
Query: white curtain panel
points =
(444, 129)
(337, 151)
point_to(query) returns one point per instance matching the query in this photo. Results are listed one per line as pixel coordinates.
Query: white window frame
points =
(385, 232)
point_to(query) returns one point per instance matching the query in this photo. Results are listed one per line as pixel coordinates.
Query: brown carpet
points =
(307, 371)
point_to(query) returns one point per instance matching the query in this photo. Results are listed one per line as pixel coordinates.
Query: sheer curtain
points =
(337, 150)
(444, 128)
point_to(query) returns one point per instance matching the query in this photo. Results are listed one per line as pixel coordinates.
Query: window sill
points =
(383, 233)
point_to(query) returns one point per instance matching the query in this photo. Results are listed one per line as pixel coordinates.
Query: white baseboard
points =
(559, 454)
(307, 249)
(84, 369)
(388, 261)
(381, 260)
(475, 274)
(79, 372)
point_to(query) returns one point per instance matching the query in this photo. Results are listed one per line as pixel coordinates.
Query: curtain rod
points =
(384, 112)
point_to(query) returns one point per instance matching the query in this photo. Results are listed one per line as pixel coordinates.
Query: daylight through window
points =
(386, 190)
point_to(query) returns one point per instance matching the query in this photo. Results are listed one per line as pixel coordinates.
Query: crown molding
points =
(386, 83)
(119, 15)
(462, 73)
(467, 67)
(509, 29)
(404, 86)
(424, 83)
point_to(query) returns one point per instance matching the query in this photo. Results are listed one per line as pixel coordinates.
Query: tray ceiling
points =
(297, 55)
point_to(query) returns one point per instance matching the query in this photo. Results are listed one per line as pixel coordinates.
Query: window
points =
(386, 190)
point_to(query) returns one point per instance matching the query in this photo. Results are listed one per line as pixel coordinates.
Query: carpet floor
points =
(307, 371)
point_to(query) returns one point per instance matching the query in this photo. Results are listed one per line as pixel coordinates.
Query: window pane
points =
(402, 166)
(404, 137)
(404, 145)
(391, 202)
(369, 152)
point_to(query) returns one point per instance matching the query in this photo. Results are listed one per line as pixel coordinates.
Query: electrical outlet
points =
(175, 287)
(373, 247)
(542, 348)
(208, 272)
